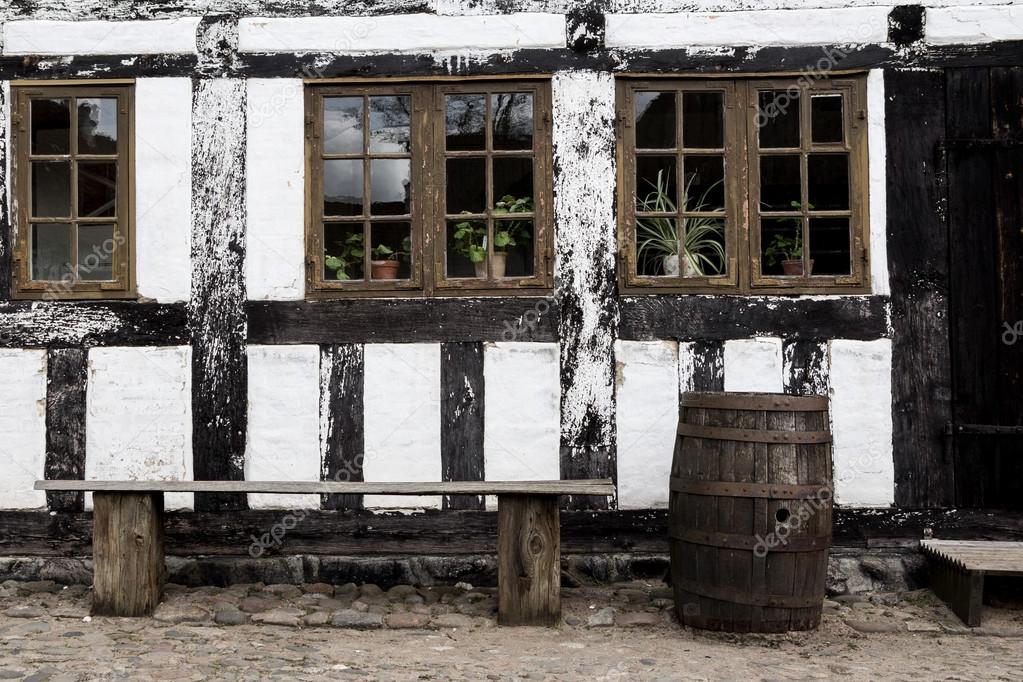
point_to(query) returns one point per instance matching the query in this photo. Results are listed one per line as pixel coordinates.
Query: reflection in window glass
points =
(97, 189)
(390, 186)
(390, 118)
(51, 251)
(342, 125)
(342, 187)
(655, 120)
(97, 125)
(50, 126)
(512, 120)
(826, 118)
(51, 189)
(465, 121)
(777, 119)
(96, 249)
(703, 120)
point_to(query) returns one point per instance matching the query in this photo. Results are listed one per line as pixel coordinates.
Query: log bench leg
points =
(127, 548)
(528, 560)
(963, 591)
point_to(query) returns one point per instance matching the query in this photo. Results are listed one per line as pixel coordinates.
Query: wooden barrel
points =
(750, 511)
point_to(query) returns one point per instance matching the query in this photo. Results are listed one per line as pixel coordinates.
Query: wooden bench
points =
(128, 549)
(958, 568)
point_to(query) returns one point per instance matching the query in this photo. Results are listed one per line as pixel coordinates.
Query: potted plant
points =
(384, 261)
(789, 250)
(701, 251)
(471, 236)
(350, 252)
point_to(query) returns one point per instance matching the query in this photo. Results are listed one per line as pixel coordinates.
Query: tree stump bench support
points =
(958, 568)
(128, 549)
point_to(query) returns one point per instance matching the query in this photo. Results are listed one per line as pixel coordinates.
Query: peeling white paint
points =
(877, 187)
(45, 37)
(648, 391)
(23, 426)
(861, 421)
(283, 442)
(163, 188)
(973, 24)
(754, 365)
(402, 418)
(687, 360)
(275, 190)
(138, 421)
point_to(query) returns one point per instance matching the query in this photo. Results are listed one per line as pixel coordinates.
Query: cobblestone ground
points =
(625, 632)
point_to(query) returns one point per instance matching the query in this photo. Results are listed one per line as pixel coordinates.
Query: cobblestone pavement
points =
(625, 632)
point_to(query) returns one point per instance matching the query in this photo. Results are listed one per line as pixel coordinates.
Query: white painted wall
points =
(138, 421)
(877, 183)
(754, 365)
(46, 37)
(648, 392)
(23, 427)
(283, 442)
(163, 188)
(973, 24)
(402, 418)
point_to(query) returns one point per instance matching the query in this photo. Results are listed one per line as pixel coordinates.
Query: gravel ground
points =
(624, 632)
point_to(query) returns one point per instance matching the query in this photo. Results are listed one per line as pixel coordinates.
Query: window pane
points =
(778, 118)
(703, 123)
(826, 118)
(96, 252)
(97, 189)
(342, 187)
(342, 125)
(390, 186)
(51, 189)
(465, 117)
(781, 244)
(51, 126)
(513, 120)
(513, 177)
(97, 126)
(513, 248)
(467, 249)
(829, 246)
(704, 183)
(51, 252)
(466, 185)
(343, 251)
(703, 247)
(657, 247)
(828, 182)
(655, 183)
(779, 183)
(391, 251)
(655, 120)
(390, 119)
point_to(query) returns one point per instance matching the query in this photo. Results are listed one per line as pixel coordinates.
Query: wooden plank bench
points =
(958, 568)
(128, 550)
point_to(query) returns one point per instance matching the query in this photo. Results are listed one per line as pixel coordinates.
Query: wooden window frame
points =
(123, 284)
(429, 221)
(742, 157)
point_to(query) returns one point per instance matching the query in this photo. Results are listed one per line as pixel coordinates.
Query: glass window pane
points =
(96, 249)
(390, 187)
(97, 189)
(390, 251)
(51, 189)
(390, 119)
(466, 249)
(826, 118)
(512, 120)
(829, 246)
(656, 184)
(342, 125)
(513, 179)
(655, 120)
(97, 125)
(779, 183)
(343, 251)
(465, 117)
(828, 182)
(778, 118)
(466, 185)
(513, 248)
(51, 252)
(704, 187)
(781, 244)
(51, 126)
(657, 247)
(703, 120)
(342, 187)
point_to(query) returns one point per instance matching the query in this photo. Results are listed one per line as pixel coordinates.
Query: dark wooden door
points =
(984, 147)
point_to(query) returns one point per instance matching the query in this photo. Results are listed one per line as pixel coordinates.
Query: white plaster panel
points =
(973, 24)
(163, 188)
(521, 418)
(138, 423)
(402, 33)
(648, 390)
(877, 188)
(23, 425)
(283, 442)
(861, 422)
(744, 28)
(275, 190)
(45, 37)
(402, 419)
(754, 365)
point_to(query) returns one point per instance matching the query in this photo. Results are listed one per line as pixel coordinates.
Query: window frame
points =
(123, 286)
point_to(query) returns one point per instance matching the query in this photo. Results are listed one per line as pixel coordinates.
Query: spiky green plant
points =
(657, 237)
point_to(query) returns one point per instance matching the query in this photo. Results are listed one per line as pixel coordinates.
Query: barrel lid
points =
(771, 402)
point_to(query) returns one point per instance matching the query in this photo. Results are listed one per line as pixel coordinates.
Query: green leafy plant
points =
(385, 252)
(657, 237)
(352, 250)
(470, 235)
(783, 247)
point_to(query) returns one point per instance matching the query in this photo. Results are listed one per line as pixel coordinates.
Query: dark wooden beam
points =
(6, 235)
(342, 372)
(66, 381)
(708, 367)
(806, 366)
(462, 399)
(41, 324)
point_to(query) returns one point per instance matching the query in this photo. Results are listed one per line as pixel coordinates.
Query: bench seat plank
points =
(992, 557)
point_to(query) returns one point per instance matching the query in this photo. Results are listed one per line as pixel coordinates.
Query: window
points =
(743, 185)
(72, 191)
(429, 189)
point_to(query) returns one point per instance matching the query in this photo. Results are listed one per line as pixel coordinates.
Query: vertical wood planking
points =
(216, 309)
(66, 381)
(342, 430)
(6, 241)
(463, 400)
(805, 363)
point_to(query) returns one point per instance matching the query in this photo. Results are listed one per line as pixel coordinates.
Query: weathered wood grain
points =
(529, 561)
(462, 397)
(128, 568)
(66, 381)
(806, 366)
(6, 234)
(40, 324)
(552, 488)
(342, 429)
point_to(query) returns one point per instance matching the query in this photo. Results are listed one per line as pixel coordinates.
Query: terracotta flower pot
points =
(794, 268)
(384, 269)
